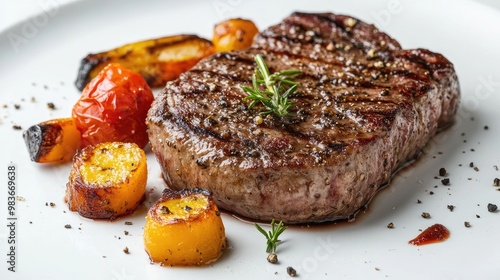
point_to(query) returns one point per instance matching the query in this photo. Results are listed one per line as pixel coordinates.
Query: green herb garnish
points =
(272, 235)
(278, 87)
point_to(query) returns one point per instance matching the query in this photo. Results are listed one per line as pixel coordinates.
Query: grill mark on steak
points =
(364, 107)
(286, 128)
(183, 124)
(337, 26)
(306, 75)
(220, 76)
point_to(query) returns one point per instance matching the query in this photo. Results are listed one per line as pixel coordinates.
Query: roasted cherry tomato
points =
(113, 108)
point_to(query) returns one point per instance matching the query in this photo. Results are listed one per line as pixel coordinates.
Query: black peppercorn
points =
(272, 258)
(442, 172)
(496, 182)
(492, 207)
(291, 271)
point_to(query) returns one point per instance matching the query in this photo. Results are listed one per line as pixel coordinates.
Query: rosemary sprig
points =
(272, 235)
(277, 88)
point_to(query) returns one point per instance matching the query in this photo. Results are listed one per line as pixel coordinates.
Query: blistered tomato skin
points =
(113, 108)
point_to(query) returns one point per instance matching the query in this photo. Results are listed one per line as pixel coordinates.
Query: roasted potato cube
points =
(234, 34)
(184, 228)
(157, 60)
(107, 180)
(52, 141)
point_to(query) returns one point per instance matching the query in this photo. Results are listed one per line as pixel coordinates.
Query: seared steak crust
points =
(364, 108)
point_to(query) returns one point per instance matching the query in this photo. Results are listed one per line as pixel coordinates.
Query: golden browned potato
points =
(52, 141)
(234, 34)
(157, 60)
(107, 180)
(184, 228)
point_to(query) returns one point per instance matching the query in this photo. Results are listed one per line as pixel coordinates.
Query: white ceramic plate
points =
(39, 59)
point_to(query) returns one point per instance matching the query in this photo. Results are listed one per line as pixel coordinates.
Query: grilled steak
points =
(364, 107)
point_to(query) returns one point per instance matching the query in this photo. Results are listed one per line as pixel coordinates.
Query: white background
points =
(14, 11)
(367, 250)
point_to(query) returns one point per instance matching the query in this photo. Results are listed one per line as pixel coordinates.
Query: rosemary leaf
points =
(278, 88)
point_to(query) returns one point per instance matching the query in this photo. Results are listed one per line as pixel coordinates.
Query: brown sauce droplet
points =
(433, 234)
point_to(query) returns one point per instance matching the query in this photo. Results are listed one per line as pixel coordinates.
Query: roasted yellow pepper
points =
(52, 141)
(107, 180)
(184, 228)
(157, 60)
